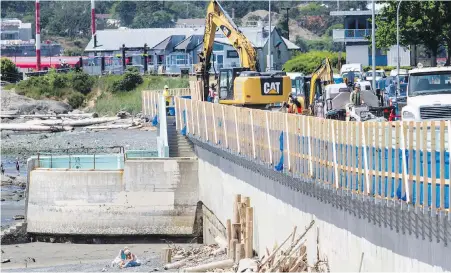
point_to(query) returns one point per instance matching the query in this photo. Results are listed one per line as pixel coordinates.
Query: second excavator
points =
(245, 85)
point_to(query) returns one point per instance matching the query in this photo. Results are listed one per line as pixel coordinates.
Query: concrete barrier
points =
(346, 226)
(148, 197)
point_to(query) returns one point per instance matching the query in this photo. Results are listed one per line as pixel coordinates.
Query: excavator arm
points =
(323, 74)
(218, 18)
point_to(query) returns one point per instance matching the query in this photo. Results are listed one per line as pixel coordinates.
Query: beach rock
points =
(123, 114)
(6, 261)
(25, 105)
(30, 260)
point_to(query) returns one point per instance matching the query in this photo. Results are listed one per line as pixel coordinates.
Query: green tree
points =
(308, 62)
(126, 12)
(420, 22)
(9, 71)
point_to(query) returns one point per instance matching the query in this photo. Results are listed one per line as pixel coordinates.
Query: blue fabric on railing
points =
(279, 166)
(155, 120)
(184, 123)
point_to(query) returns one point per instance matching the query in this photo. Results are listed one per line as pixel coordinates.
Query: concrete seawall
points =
(148, 197)
(346, 226)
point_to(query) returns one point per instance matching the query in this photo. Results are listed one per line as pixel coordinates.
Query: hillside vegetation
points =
(68, 22)
(106, 95)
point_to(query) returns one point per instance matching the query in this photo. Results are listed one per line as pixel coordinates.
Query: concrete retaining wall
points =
(147, 197)
(343, 230)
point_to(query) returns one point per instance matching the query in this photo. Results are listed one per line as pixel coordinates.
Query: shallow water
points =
(11, 208)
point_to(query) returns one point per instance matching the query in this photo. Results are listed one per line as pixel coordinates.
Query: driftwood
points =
(213, 265)
(82, 122)
(175, 265)
(12, 115)
(112, 126)
(32, 127)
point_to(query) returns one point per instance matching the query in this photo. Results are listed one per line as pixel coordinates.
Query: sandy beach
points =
(68, 257)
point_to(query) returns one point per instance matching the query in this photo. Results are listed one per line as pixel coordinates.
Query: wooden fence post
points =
(252, 132)
(214, 122)
(404, 165)
(269, 138)
(288, 142)
(334, 151)
(186, 118)
(205, 121)
(365, 158)
(237, 135)
(225, 127)
(193, 131)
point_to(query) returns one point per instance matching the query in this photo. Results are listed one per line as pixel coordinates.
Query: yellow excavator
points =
(322, 76)
(244, 86)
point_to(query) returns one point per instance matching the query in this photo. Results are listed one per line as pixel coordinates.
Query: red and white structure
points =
(93, 22)
(38, 36)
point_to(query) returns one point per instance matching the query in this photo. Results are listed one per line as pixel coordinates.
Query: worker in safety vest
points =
(356, 95)
(167, 98)
(295, 104)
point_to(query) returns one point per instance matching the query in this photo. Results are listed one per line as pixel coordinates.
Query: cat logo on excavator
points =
(271, 87)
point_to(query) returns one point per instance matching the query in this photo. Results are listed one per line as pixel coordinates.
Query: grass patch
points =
(109, 103)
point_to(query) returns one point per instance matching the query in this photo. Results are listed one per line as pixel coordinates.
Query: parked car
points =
(380, 74)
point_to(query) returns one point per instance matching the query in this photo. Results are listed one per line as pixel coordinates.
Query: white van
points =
(428, 94)
(351, 67)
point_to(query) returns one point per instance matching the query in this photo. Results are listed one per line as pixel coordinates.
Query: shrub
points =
(9, 71)
(385, 68)
(76, 100)
(57, 80)
(308, 62)
(82, 82)
(129, 81)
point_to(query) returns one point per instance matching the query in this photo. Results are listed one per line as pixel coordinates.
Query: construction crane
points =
(243, 85)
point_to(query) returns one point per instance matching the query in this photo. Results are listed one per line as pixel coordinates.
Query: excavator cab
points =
(226, 81)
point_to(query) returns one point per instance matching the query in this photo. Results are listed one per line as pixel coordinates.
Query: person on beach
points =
(130, 259)
(17, 167)
(3, 169)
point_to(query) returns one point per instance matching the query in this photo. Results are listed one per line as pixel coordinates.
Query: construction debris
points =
(289, 256)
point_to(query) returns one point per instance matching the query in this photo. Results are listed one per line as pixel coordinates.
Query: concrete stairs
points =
(179, 145)
(15, 234)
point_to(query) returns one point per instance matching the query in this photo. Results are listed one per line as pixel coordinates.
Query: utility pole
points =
(269, 41)
(373, 42)
(397, 45)
(38, 35)
(288, 25)
(93, 26)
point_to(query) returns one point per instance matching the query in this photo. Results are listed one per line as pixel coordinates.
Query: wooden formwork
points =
(387, 160)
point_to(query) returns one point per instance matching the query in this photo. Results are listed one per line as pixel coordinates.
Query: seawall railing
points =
(407, 162)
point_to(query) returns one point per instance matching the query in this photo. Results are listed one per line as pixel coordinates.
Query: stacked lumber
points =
(240, 230)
